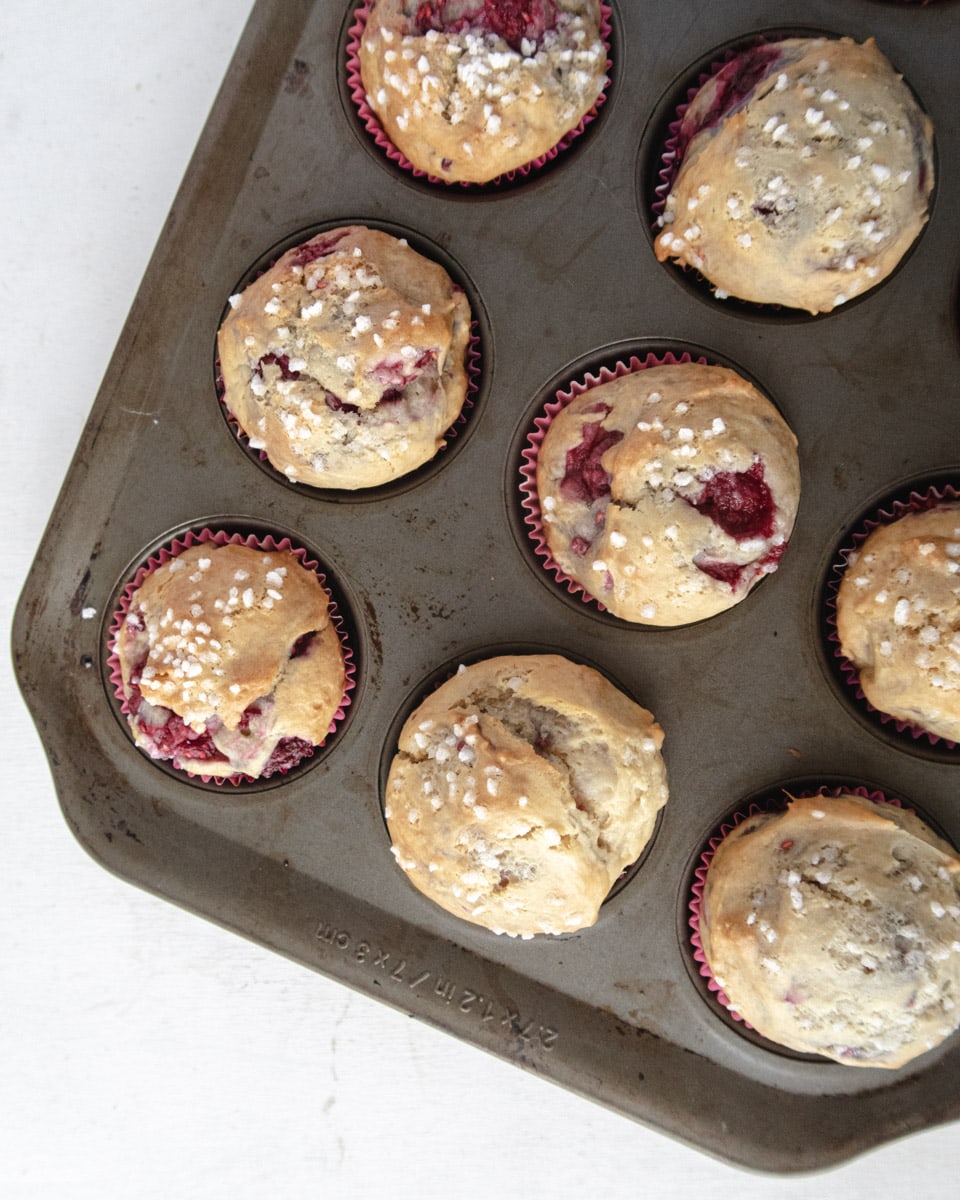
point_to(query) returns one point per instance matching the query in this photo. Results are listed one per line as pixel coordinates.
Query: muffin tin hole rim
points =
(426, 686)
(772, 798)
(480, 362)
(353, 636)
(832, 565)
(519, 469)
(649, 182)
(522, 178)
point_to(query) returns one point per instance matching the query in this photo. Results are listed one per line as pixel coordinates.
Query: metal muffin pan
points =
(439, 570)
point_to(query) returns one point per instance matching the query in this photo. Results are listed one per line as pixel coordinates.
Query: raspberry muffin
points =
(898, 619)
(520, 791)
(469, 90)
(805, 173)
(229, 663)
(345, 362)
(668, 492)
(833, 928)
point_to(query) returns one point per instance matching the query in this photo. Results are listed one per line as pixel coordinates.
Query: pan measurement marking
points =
(434, 984)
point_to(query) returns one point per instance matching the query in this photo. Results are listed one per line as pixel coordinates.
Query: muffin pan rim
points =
(923, 1100)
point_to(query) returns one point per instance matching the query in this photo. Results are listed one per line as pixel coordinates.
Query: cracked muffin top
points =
(345, 361)
(521, 789)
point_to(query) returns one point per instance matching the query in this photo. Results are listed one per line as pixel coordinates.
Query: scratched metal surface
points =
(562, 276)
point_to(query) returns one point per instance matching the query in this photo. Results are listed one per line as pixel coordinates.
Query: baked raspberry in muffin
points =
(804, 173)
(833, 928)
(229, 663)
(668, 492)
(520, 791)
(469, 90)
(345, 361)
(898, 618)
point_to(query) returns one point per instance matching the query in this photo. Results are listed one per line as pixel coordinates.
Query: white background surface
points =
(144, 1053)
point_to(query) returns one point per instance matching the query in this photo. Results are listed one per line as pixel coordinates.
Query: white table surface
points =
(143, 1052)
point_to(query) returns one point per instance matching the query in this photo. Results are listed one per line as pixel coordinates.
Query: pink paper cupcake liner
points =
(376, 131)
(530, 502)
(914, 501)
(726, 827)
(220, 538)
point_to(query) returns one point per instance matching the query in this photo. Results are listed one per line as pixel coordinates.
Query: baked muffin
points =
(521, 789)
(805, 172)
(898, 618)
(667, 493)
(345, 361)
(834, 929)
(229, 662)
(469, 90)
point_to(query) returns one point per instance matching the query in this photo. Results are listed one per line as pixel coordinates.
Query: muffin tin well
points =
(770, 799)
(657, 168)
(476, 380)
(444, 672)
(375, 141)
(219, 533)
(914, 497)
(438, 569)
(599, 367)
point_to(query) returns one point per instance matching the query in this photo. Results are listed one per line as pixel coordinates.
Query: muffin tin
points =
(439, 569)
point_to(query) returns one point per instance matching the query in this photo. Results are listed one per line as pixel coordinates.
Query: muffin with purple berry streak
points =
(803, 174)
(345, 361)
(470, 90)
(228, 661)
(666, 493)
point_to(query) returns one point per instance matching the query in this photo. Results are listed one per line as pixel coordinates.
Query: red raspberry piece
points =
(732, 573)
(175, 739)
(515, 20)
(726, 572)
(286, 754)
(280, 360)
(585, 479)
(318, 247)
(739, 502)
